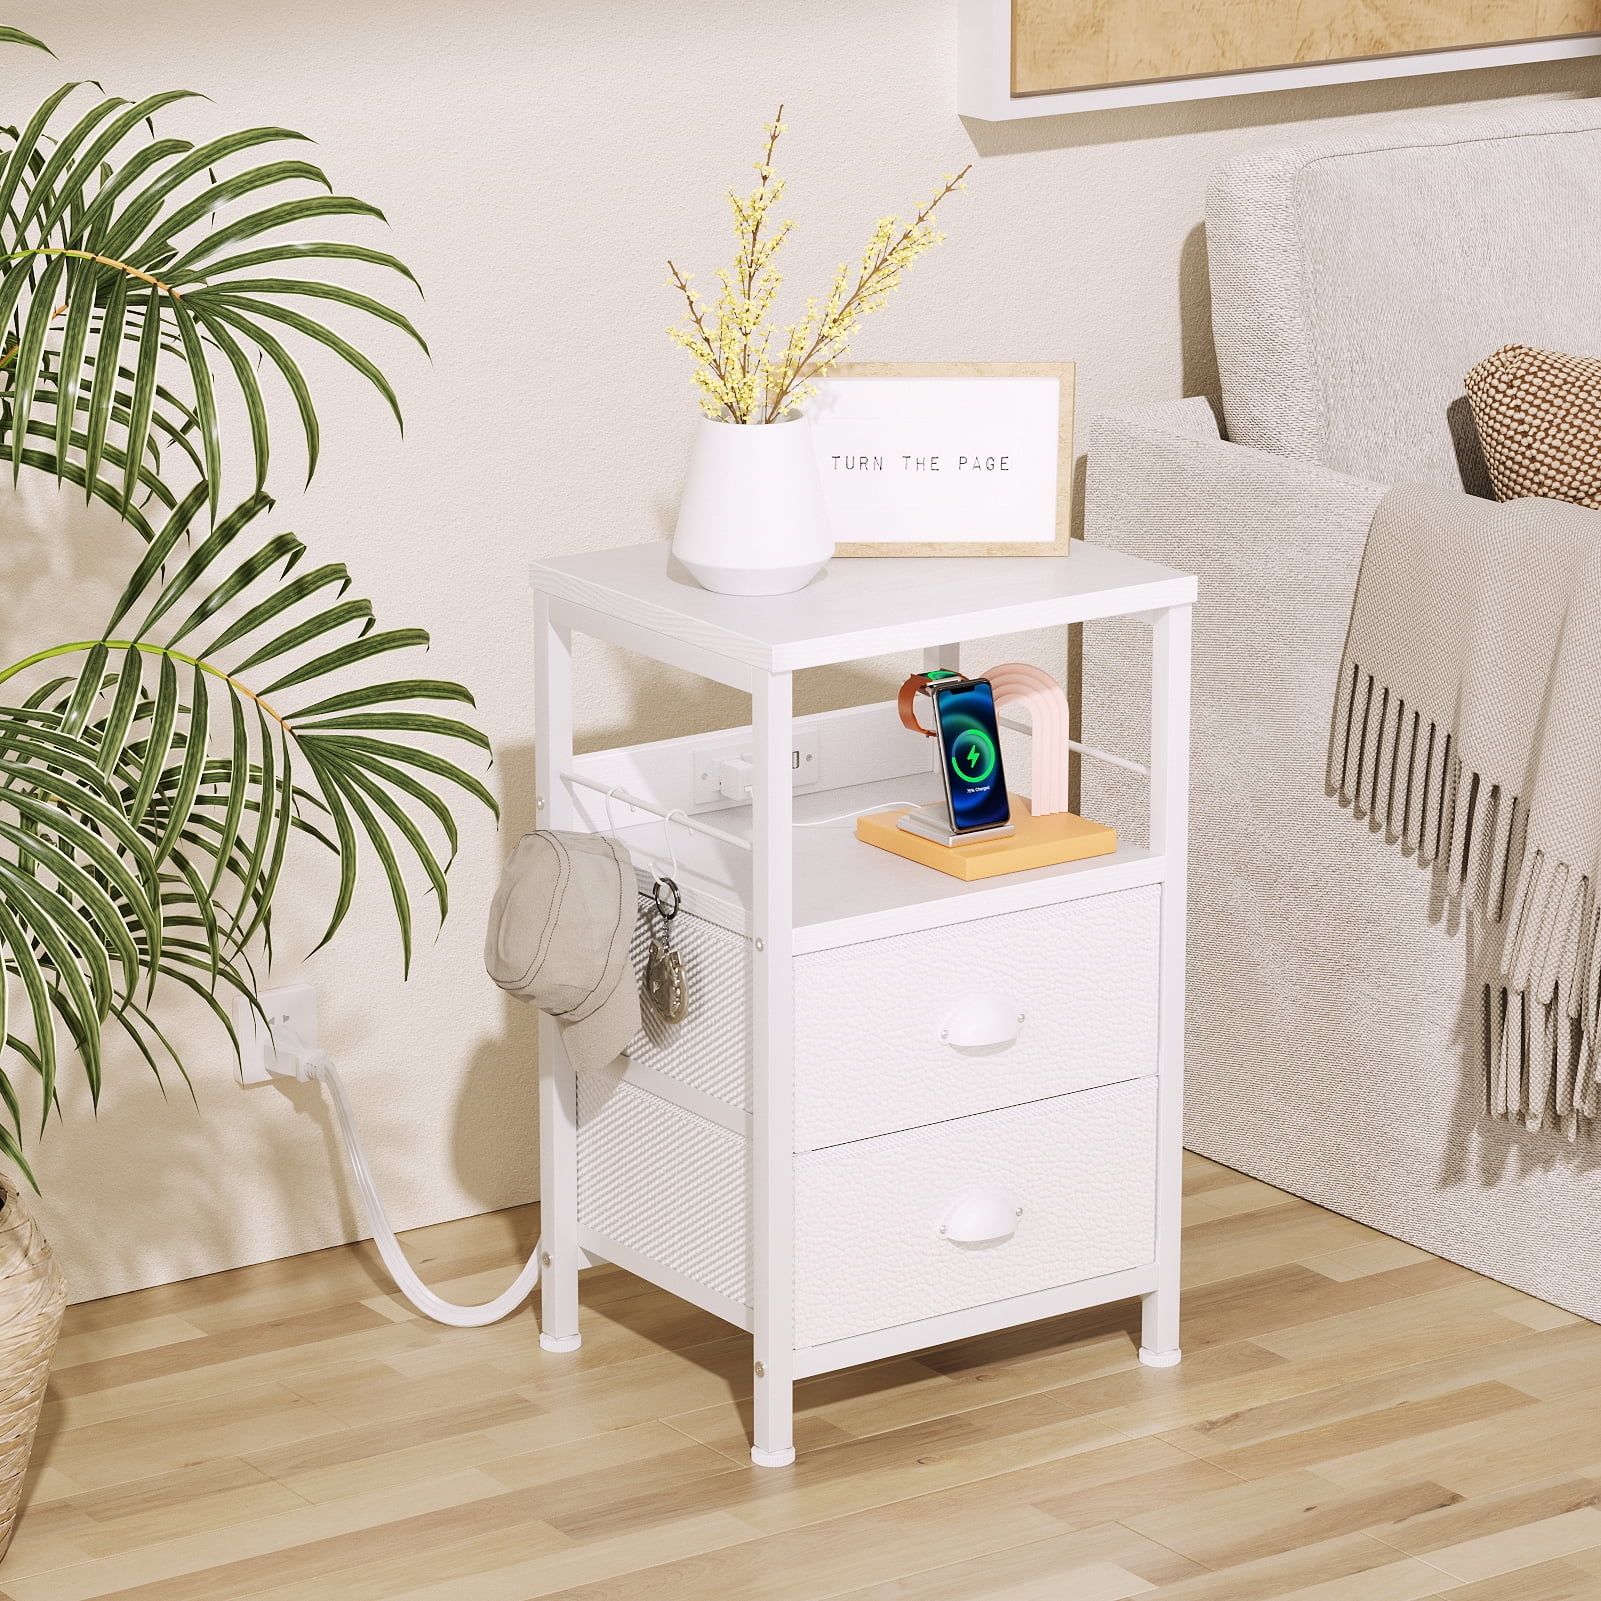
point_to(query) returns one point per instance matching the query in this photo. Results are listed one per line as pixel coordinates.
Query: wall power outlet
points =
(294, 1007)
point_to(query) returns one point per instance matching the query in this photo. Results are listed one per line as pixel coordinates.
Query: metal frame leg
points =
(773, 1123)
(558, 1084)
(1170, 797)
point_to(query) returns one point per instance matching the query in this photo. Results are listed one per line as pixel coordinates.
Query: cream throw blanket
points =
(1467, 726)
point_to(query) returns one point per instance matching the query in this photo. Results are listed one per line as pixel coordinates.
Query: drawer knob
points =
(981, 1023)
(980, 1217)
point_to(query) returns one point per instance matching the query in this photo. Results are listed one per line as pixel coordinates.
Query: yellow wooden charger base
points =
(1036, 842)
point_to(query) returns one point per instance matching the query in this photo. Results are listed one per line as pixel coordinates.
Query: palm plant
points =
(151, 776)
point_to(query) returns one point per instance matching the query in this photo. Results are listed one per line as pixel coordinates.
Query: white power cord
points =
(296, 1060)
(861, 811)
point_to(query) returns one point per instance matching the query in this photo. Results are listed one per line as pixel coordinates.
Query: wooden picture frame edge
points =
(985, 51)
(1063, 372)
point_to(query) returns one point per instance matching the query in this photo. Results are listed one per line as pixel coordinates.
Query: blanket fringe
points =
(1539, 1064)
(1541, 1026)
(1404, 774)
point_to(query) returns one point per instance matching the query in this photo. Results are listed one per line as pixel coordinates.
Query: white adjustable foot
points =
(1160, 1359)
(772, 1459)
(560, 1342)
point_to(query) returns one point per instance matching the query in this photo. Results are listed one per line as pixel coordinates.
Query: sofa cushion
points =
(1538, 416)
(1356, 277)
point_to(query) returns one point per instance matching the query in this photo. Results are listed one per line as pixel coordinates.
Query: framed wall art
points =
(947, 458)
(1030, 58)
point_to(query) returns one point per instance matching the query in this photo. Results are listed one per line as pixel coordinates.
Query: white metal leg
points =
(1170, 812)
(558, 1088)
(946, 657)
(773, 1123)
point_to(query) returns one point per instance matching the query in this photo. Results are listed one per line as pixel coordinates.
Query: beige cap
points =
(559, 931)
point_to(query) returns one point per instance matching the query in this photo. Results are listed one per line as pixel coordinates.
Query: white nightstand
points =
(902, 1109)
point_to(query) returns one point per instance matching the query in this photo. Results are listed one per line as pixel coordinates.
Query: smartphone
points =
(970, 754)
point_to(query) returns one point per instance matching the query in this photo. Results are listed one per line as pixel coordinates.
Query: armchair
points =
(1331, 1037)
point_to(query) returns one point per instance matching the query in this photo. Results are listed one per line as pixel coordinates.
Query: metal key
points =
(665, 987)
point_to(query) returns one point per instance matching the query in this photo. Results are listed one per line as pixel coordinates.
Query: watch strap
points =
(906, 701)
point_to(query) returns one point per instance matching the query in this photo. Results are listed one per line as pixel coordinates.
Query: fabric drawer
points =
(665, 1182)
(1030, 1198)
(711, 1049)
(973, 1016)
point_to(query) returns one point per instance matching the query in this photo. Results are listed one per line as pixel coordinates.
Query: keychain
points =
(665, 988)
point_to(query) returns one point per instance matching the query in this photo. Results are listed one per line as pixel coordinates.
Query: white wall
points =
(538, 162)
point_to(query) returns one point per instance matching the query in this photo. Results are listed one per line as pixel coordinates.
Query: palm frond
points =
(118, 262)
(184, 706)
(9, 35)
(153, 776)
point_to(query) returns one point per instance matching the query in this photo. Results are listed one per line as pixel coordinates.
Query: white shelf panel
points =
(845, 891)
(858, 609)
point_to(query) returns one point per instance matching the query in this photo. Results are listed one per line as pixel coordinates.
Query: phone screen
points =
(970, 751)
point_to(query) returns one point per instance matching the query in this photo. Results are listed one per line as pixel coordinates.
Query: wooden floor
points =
(1353, 1421)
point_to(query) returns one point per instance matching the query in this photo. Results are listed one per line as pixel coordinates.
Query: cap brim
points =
(597, 1040)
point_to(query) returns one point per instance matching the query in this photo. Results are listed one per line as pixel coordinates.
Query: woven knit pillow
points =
(1538, 414)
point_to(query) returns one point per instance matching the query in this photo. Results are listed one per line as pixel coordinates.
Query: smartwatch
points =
(906, 701)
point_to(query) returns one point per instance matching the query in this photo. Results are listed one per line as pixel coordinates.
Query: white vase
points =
(752, 519)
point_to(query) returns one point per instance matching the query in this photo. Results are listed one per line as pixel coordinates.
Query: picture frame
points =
(1216, 50)
(962, 499)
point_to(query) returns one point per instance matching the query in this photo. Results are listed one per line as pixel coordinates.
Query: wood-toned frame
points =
(986, 89)
(1062, 371)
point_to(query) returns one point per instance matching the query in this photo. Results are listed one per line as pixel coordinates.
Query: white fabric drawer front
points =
(665, 1182)
(711, 1049)
(869, 1253)
(1031, 1004)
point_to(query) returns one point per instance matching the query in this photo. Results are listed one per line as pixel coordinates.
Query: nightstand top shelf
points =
(861, 608)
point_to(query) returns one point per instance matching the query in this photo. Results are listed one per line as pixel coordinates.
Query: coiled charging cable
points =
(296, 1060)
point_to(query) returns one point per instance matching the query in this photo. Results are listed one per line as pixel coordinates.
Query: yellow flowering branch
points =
(758, 281)
(883, 262)
(716, 395)
(737, 379)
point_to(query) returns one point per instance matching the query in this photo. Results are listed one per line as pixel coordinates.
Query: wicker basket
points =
(33, 1296)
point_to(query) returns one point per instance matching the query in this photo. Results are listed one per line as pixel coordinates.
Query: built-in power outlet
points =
(291, 1011)
(719, 767)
